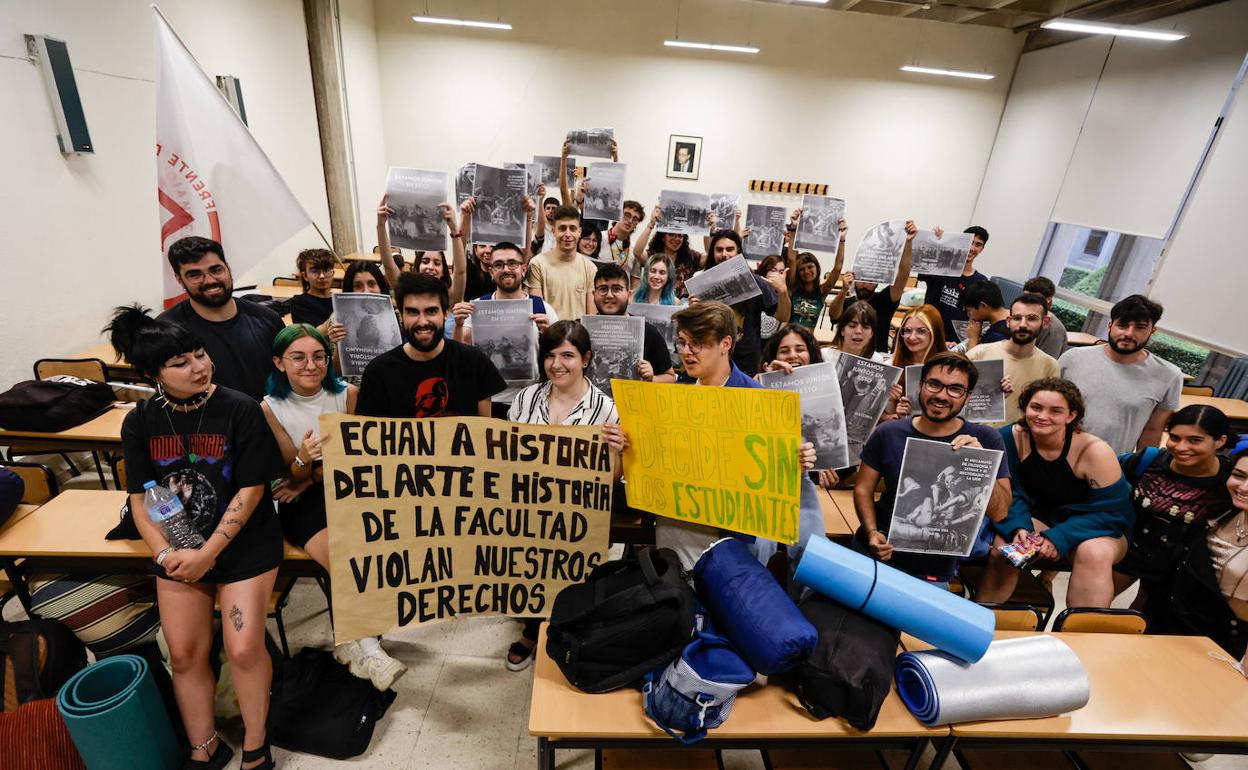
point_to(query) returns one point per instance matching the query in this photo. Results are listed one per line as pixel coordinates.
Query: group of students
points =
(239, 395)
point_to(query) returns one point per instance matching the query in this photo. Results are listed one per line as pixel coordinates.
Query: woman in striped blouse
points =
(565, 396)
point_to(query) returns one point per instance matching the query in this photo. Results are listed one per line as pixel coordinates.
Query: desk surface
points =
(1233, 408)
(74, 523)
(834, 523)
(105, 352)
(1081, 339)
(105, 429)
(559, 710)
(844, 499)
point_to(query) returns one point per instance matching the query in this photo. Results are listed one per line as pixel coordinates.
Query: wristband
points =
(160, 557)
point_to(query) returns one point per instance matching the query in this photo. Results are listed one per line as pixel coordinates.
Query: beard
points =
(220, 300)
(1021, 336)
(925, 406)
(1125, 345)
(424, 347)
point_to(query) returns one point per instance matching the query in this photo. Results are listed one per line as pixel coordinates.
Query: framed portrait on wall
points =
(684, 156)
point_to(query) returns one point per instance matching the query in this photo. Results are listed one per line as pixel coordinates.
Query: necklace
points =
(200, 402)
(187, 404)
(1239, 526)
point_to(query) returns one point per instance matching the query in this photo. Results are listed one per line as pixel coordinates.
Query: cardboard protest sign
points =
(721, 457)
(434, 518)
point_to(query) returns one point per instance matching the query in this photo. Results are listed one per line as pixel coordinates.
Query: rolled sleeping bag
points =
(116, 717)
(942, 619)
(1025, 678)
(749, 607)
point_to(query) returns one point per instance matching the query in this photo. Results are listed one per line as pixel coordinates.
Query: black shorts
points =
(256, 549)
(304, 517)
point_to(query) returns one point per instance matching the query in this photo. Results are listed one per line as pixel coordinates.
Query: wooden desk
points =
(834, 523)
(844, 499)
(101, 433)
(1081, 339)
(1235, 409)
(1148, 693)
(118, 367)
(824, 337)
(562, 717)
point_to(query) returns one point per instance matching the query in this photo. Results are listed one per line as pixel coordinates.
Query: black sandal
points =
(523, 655)
(216, 760)
(251, 755)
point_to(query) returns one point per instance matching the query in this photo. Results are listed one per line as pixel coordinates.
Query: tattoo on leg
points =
(236, 617)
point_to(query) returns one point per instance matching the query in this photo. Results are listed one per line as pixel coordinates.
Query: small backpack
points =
(54, 404)
(627, 619)
(36, 658)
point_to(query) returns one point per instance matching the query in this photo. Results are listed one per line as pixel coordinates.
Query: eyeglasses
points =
(692, 347)
(319, 272)
(610, 288)
(196, 275)
(935, 386)
(631, 217)
(509, 264)
(299, 359)
(920, 331)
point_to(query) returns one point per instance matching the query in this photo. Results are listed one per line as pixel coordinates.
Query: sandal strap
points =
(261, 752)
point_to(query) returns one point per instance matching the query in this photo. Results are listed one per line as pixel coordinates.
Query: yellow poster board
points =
(430, 519)
(720, 457)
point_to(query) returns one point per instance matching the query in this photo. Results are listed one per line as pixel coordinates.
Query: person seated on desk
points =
(302, 386)
(316, 271)
(947, 381)
(564, 396)
(212, 444)
(1068, 489)
(236, 335)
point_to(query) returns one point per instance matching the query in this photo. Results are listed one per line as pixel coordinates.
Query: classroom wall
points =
(80, 234)
(823, 102)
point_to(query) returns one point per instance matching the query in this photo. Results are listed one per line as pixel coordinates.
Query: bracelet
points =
(160, 557)
(299, 462)
(882, 532)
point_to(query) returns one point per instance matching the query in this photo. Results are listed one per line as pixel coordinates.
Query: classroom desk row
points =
(1195, 702)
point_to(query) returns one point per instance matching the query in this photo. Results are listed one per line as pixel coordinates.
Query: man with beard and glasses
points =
(611, 295)
(507, 267)
(1024, 362)
(1129, 392)
(947, 381)
(238, 336)
(428, 375)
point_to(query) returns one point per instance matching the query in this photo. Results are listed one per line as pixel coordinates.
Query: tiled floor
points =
(459, 708)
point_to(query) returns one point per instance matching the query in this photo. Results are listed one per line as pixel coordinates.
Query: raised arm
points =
(565, 194)
(388, 265)
(907, 259)
(837, 308)
(643, 238)
(459, 258)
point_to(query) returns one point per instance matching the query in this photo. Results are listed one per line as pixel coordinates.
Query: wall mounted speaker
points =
(52, 56)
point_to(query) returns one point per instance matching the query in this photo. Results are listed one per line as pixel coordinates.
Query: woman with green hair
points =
(302, 386)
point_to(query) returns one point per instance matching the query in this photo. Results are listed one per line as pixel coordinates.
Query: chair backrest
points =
(1234, 384)
(285, 281)
(1101, 620)
(1010, 289)
(1015, 616)
(84, 368)
(119, 468)
(39, 481)
(1197, 390)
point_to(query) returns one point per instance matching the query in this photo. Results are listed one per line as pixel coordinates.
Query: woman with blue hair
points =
(658, 286)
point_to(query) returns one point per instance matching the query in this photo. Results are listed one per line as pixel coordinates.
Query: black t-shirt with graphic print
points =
(452, 384)
(205, 457)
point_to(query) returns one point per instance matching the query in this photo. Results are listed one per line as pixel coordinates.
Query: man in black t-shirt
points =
(611, 295)
(883, 301)
(237, 335)
(945, 292)
(428, 375)
(774, 301)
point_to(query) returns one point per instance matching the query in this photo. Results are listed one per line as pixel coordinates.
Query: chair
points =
(83, 368)
(1197, 390)
(282, 280)
(1234, 384)
(1100, 620)
(1015, 616)
(39, 487)
(1029, 591)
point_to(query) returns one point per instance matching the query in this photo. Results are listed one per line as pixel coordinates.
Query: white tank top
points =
(299, 414)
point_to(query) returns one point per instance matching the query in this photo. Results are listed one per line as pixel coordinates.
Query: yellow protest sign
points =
(434, 518)
(721, 457)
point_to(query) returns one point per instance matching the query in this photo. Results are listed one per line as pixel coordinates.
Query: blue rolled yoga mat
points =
(1025, 678)
(116, 717)
(943, 620)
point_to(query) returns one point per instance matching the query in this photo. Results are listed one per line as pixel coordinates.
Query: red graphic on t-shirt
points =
(432, 397)
(207, 445)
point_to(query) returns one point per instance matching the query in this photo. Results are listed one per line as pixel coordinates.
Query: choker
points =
(185, 404)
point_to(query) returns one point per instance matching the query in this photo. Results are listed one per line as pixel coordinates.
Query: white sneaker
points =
(382, 669)
(352, 656)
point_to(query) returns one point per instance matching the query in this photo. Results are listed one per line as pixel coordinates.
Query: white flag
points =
(212, 178)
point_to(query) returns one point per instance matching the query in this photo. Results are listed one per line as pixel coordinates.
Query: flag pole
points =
(328, 245)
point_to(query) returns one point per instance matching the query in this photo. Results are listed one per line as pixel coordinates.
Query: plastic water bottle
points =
(165, 510)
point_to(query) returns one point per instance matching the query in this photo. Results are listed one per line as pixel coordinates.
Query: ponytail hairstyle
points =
(147, 342)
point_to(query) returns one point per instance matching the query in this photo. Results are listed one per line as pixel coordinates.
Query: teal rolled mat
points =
(116, 717)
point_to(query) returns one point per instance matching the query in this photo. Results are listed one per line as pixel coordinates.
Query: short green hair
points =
(278, 384)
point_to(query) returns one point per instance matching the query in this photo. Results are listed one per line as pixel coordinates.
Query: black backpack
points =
(628, 618)
(36, 658)
(318, 707)
(54, 404)
(12, 490)
(851, 670)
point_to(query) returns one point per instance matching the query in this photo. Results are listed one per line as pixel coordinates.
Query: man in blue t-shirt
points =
(947, 381)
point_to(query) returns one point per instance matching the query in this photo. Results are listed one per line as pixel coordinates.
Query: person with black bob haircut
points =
(211, 446)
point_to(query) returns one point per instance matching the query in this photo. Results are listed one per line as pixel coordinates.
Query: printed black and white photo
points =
(372, 329)
(766, 225)
(879, 252)
(591, 142)
(729, 282)
(533, 178)
(617, 342)
(660, 317)
(819, 227)
(463, 183)
(684, 213)
(942, 495)
(913, 379)
(940, 256)
(864, 394)
(987, 401)
(550, 173)
(604, 191)
(684, 156)
(504, 331)
(960, 327)
(725, 206)
(499, 212)
(414, 195)
(823, 414)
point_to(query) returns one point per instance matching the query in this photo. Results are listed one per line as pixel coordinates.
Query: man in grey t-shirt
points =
(1129, 393)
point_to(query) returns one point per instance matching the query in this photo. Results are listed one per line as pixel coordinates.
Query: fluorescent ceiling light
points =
(949, 73)
(461, 22)
(710, 46)
(1095, 28)
(812, 2)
